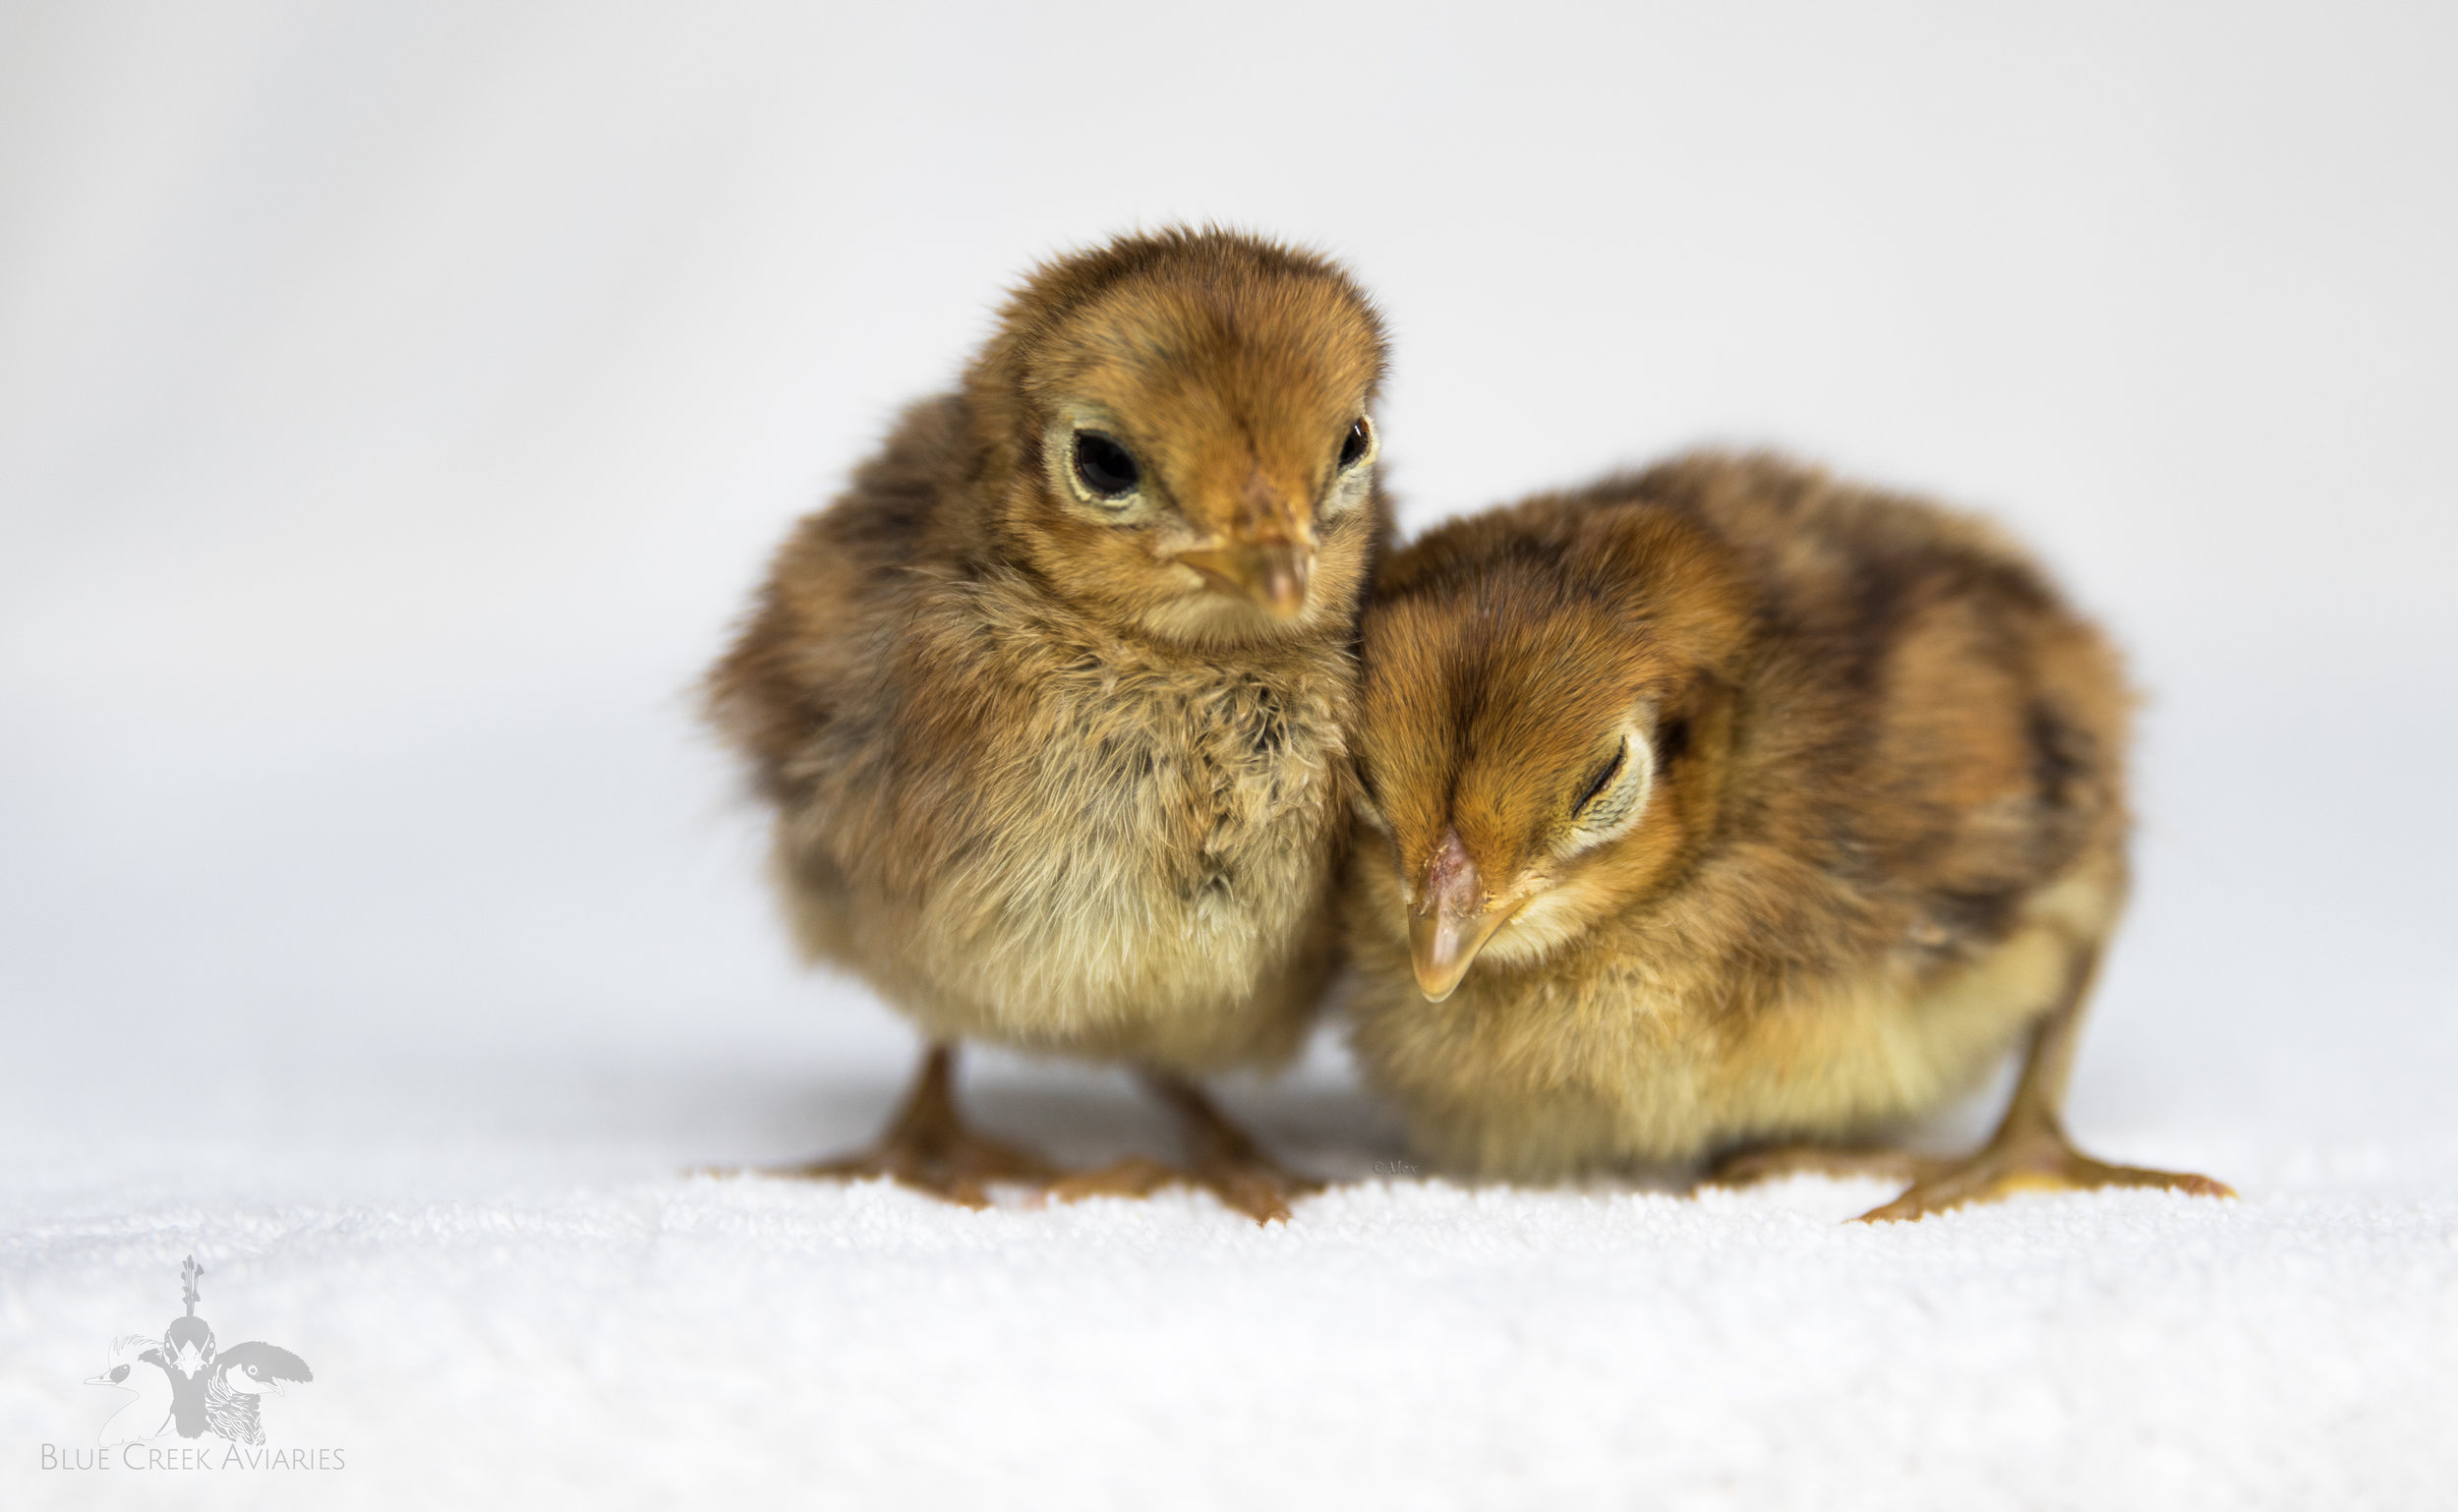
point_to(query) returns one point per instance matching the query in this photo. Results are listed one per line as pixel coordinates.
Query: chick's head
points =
(1545, 718)
(1181, 436)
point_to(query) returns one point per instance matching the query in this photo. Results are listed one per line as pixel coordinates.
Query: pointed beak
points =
(1451, 920)
(1272, 574)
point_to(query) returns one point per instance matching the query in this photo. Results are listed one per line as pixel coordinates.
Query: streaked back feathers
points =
(1881, 754)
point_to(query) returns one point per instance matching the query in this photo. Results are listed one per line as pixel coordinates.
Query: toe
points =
(851, 1168)
(1258, 1188)
(961, 1190)
(2086, 1172)
(2001, 1171)
(1262, 1200)
(1133, 1177)
(1923, 1199)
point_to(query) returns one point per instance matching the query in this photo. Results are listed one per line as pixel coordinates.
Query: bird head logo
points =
(183, 1383)
(189, 1341)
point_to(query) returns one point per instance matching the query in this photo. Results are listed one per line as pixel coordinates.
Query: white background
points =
(397, 403)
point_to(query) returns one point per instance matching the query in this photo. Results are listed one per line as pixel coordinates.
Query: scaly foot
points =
(928, 1148)
(2028, 1152)
(958, 1168)
(1254, 1186)
(1223, 1161)
(2033, 1157)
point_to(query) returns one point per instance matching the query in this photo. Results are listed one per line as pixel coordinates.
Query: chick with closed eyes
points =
(1726, 813)
(1051, 704)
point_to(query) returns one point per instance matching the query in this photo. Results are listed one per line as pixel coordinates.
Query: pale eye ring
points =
(1104, 467)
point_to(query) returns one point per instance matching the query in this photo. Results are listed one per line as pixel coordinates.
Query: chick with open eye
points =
(1726, 812)
(1051, 704)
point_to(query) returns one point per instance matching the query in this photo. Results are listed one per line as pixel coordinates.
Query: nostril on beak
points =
(1451, 877)
(1272, 574)
(1280, 585)
(1450, 921)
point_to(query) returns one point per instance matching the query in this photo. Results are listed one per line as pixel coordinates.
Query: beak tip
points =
(1273, 578)
(1283, 590)
(1445, 939)
(1440, 953)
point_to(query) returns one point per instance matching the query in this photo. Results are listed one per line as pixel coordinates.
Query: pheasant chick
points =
(1051, 703)
(1728, 812)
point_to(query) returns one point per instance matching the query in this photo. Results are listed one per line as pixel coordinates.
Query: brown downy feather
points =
(1869, 800)
(1067, 770)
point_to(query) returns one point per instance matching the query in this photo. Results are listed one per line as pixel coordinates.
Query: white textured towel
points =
(512, 1294)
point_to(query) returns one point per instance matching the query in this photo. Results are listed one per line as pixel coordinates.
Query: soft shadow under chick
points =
(1051, 704)
(1727, 811)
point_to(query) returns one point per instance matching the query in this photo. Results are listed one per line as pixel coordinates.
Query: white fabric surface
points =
(511, 1294)
(508, 1291)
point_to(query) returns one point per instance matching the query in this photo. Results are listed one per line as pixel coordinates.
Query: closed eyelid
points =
(1622, 791)
(1604, 778)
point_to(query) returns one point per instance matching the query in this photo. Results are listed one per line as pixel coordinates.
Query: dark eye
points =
(1602, 779)
(1353, 446)
(1106, 468)
(118, 1374)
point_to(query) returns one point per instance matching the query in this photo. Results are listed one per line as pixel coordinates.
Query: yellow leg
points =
(2029, 1151)
(926, 1146)
(1222, 1159)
